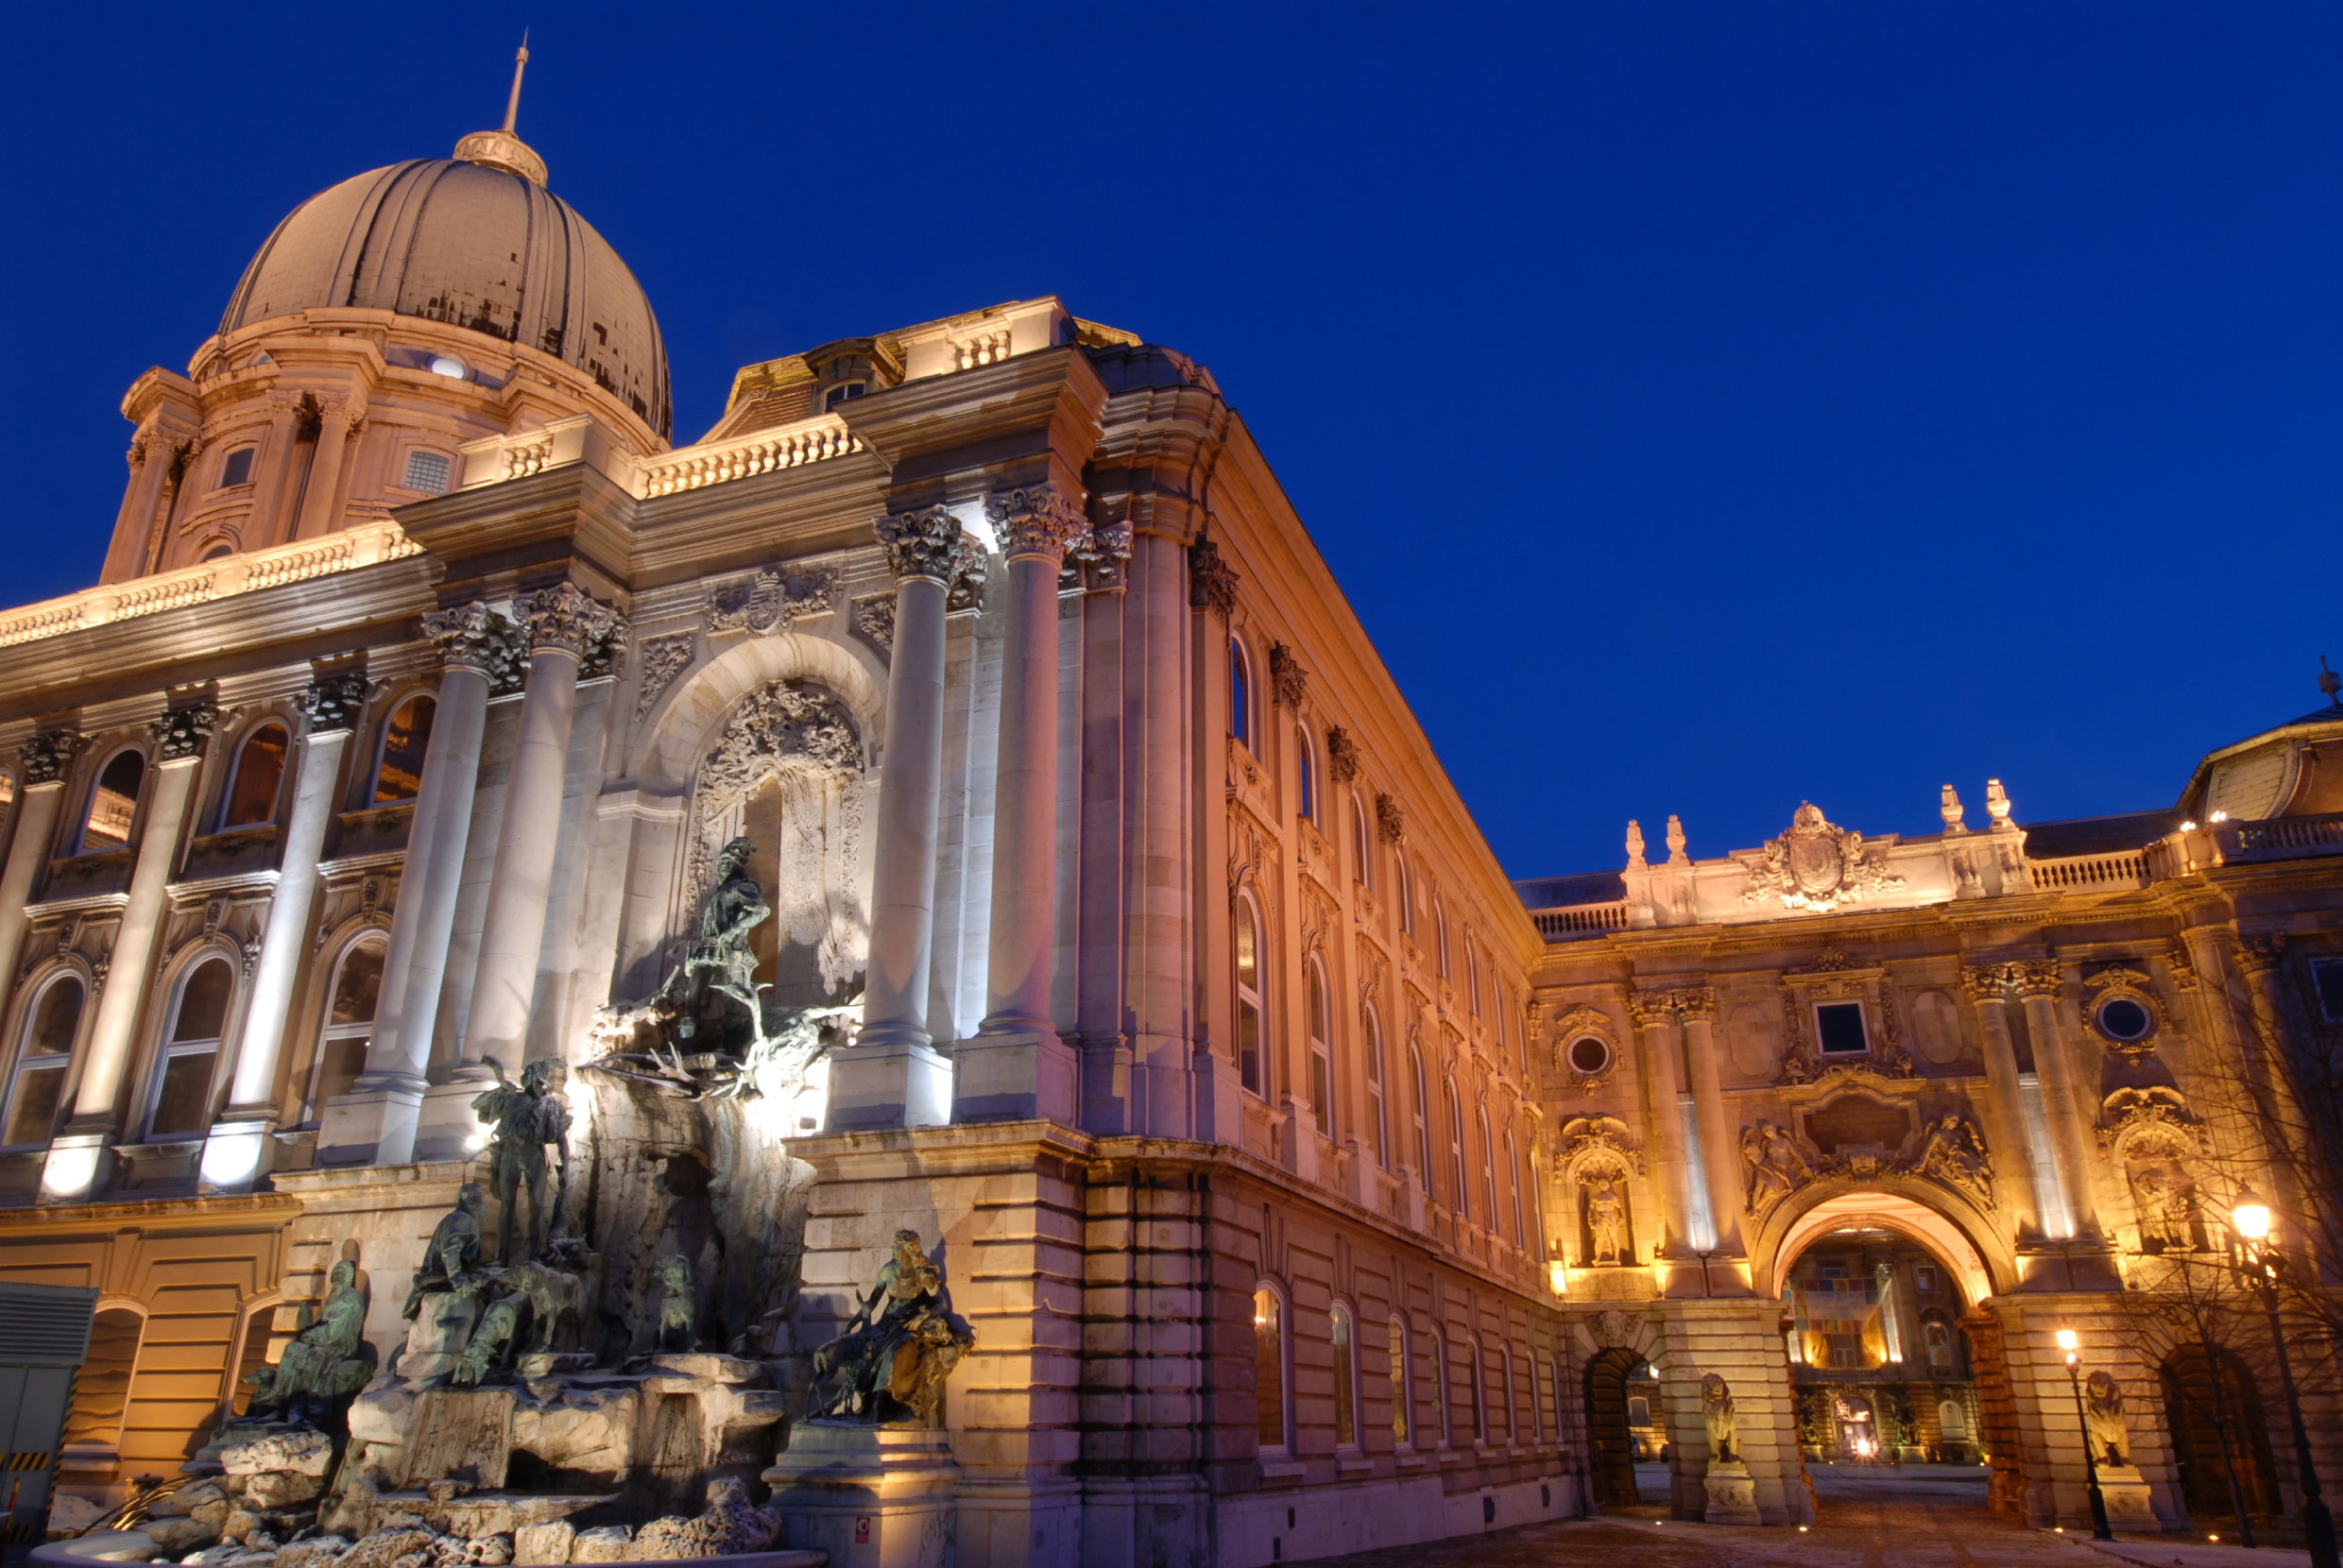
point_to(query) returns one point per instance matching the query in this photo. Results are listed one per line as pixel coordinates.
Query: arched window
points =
(37, 1095)
(1250, 1009)
(1472, 976)
(1362, 860)
(1406, 892)
(1512, 1176)
(1305, 773)
(1423, 1123)
(348, 1023)
(1269, 1367)
(1441, 1375)
(1463, 1192)
(398, 766)
(1240, 693)
(1402, 1395)
(182, 1095)
(1497, 1371)
(1440, 936)
(1488, 1169)
(259, 773)
(101, 1389)
(1345, 1377)
(1378, 1122)
(1321, 1053)
(113, 802)
(1541, 1390)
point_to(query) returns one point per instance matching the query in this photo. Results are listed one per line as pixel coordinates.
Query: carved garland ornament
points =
(1816, 866)
(874, 620)
(663, 660)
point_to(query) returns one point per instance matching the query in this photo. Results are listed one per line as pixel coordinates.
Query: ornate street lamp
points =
(2068, 1343)
(2261, 1265)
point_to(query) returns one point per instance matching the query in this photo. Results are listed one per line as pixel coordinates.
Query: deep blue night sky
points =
(1706, 407)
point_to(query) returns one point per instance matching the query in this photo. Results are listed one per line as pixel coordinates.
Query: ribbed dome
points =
(474, 247)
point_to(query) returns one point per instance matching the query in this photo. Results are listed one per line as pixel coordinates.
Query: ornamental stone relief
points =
(1816, 866)
(1341, 755)
(664, 659)
(770, 601)
(333, 703)
(2155, 1141)
(1212, 586)
(1289, 683)
(874, 620)
(2120, 1009)
(185, 729)
(47, 757)
(1850, 1137)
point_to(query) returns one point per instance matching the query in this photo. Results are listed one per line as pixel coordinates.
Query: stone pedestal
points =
(443, 1326)
(1732, 1495)
(870, 1496)
(1016, 1075)
(2127, 1495)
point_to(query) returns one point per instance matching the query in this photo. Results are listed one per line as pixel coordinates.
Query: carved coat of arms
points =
(1817, 866)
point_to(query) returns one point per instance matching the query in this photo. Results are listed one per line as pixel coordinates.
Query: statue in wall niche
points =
(2103, 1413)
(326, 1362)
(720, 960)
(890, 1364)
(526, 1118)
(678, 1319)
(1717, 1414)
(451, 1261)
(2166, 1202)
(1606, 1223)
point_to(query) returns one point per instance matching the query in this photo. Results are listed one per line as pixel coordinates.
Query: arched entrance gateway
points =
(1878, 1291)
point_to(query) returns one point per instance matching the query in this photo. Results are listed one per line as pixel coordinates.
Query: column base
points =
(877, 1084)
(1014, 1075)
(870, 1496)
(448, 1128)
(373, 1124)
(236, 1152)
(75, 1163)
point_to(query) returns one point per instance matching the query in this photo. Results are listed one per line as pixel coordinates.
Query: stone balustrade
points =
(2093, 873)
(364, 544)
(500, 459)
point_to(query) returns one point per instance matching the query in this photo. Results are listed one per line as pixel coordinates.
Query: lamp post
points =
(2261, 1266)
(2067, 1342)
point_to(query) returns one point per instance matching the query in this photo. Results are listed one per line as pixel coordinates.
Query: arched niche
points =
(686, 722)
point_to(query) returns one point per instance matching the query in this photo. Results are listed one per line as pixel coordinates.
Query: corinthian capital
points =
(926, 543)
(1985, 983)
(1698, 1003)
(1037, 519)
(469, 637)
(333, 703)
(183, 729)
(2038, 976)
(1212, 586)
(47, 755)
(565, 619)
(2258, 955)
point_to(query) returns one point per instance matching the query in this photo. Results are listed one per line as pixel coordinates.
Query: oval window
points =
(1589, 1054)
(2122, 1018)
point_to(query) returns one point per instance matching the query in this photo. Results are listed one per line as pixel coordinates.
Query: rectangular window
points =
(429, 471)
(237, 470)
(2327, 976)
(32, 1119)
(1841, 1025)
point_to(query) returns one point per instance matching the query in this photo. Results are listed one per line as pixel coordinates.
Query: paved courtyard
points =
(1921, 1516)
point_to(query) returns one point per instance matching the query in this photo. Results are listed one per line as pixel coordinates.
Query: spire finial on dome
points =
(504, 149)
(512, 104)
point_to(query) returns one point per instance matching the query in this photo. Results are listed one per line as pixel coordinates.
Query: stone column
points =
(338, 424)
(893, 1076)
(562, 623)
(1720, 1155)
(2259, 1050)
(44, 762)
(151, 454)
(1654, 1013)
(375, 1122)
(1190, 1001)
(234, 1153)
(273, 479)
(1105, 1044)
(2003, 1107)
(1017, 1067)
(180, 740)
(2039, 983)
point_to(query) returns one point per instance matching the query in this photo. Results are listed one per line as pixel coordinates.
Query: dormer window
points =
(429, 471)
(845, 391)
(237, 468)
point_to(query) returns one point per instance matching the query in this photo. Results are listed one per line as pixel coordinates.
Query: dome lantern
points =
(503, 149)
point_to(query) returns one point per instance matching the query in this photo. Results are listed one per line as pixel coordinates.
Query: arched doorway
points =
(1626, 1427)
(1883, 1373)
(2220, 1436)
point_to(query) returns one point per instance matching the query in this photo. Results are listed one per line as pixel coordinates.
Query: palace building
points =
(1309, 1184)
